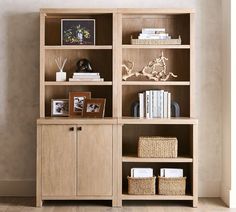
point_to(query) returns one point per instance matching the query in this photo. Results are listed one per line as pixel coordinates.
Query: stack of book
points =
(166, 172)
(154, 33)
(155, 104)
(86, 77)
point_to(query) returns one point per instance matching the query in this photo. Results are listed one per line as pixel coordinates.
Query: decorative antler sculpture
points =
(155, 70)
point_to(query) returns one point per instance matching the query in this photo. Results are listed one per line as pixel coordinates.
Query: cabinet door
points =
(58, 160)
(95, 160)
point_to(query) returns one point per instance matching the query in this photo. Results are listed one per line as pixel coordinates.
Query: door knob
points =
(79, 128)
(71, 128)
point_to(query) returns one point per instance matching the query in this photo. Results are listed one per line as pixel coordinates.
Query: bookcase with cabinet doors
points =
(90, 158)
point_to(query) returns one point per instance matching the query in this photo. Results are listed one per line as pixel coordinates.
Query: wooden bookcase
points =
(112, 47)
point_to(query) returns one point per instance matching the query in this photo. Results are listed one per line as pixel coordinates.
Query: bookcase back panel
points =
(101, 61)
(175, 25)
(178, 61)
(62, 92)
(181, 132)
(156, 171)
(179, 94)
(103, 28)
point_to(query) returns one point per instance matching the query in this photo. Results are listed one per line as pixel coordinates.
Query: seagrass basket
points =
(141, 186)
(156, 41)
(171, 186)
(157, 147)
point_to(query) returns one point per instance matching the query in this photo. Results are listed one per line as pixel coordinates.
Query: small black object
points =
(135, 109)
(71, 128)
(175, 109)
(84, 65)
(79, 128)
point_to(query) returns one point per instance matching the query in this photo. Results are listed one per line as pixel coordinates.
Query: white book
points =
(158, 104)
(150, 104)
(85, 73)
(171, 172)
(169, 106)
(162, 103)
(152, 30)
(153, 36)
(86, 77)
(86, 80)
(141, 172)
(165, 104)
(162, 172)
(147, 109)
(154, 104)
(141, 105)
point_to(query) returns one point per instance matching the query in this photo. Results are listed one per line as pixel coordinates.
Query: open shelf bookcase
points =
(112, 48)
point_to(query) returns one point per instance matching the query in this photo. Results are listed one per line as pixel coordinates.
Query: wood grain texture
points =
(58, 160)
(94, 160)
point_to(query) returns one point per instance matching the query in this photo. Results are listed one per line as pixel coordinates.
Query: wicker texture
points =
(141, 186)
(157, 147)
(156, 42)
(171, 186)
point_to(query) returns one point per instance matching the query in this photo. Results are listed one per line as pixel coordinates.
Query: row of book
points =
(86, 76)
(155, 104)
(154, 33)
(148, 172)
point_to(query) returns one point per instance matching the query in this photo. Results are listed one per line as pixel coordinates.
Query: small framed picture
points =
(77, 102)
(59, 107)
(78, 32)
(94, 108)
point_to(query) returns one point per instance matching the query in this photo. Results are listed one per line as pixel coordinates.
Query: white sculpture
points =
(155, 70)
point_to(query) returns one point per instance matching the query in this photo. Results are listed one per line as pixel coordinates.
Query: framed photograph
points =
(94, 108)
(77, 102)
(78, 32)
(59, 107)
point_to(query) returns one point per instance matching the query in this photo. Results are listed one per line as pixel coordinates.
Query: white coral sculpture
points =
(155, 70)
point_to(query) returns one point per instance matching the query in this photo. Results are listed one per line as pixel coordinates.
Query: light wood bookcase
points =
(91, 158)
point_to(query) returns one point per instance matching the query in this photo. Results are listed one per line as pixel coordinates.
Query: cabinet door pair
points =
(76, 162)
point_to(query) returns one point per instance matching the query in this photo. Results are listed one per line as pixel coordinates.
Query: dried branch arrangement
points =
(155, 70)
(60, 63)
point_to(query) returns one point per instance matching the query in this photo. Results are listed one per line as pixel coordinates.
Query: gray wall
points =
(19, 87)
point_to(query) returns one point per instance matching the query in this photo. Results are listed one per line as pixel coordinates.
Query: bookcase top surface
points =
(56, 11)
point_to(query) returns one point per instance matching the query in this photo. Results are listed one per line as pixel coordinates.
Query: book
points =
(154, 36)
(152, 30)
(85, 73)
(147, 105)
(165, 104)
(86, 80)
(141, 172)
(169, 106)
(86, 76)
(141, 105)
(154, 104)
(150, 104)
(162, 104)
(167, 172)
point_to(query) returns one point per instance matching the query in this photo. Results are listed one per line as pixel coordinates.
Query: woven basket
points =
(141, 185)
(171, 186)
(157, 147)
(156, 41)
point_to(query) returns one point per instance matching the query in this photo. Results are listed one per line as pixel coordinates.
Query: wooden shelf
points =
(157, 160)
(76, 120)
(129, 46)
(78, 47)
(175, 83)
(156, 197)
(53, 83)
(179, 120)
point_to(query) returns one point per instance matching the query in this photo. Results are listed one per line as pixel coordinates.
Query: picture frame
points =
(94, 108)
(76, 102)
(59, 107)
(77, 31)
